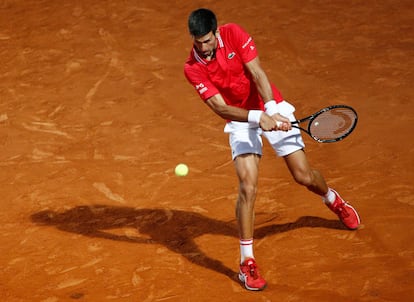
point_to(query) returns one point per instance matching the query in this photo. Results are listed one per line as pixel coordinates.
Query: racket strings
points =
(333, 124)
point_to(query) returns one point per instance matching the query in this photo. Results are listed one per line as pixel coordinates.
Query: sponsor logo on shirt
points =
(247, 42)
(201, 88)
(231, 55)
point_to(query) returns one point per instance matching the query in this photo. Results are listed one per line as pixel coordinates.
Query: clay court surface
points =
(95, 113)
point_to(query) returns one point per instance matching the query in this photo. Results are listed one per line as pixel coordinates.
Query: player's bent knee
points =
(304, 179)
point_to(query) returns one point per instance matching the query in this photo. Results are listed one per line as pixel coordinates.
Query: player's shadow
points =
(174, 229)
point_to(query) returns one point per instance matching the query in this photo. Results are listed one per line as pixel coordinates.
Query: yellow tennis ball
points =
(181, 170)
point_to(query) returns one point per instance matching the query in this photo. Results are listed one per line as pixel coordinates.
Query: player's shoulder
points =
(230, 27)
(190, 60)
(191, 65)
(232, 32)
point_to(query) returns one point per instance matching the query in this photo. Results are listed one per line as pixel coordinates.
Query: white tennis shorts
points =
(246, 138)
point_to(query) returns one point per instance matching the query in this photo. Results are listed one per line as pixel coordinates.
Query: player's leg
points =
(246, 147)
(303, 174)
(313, 180)
(247, 169)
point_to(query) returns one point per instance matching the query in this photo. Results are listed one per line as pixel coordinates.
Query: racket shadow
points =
(174, 229)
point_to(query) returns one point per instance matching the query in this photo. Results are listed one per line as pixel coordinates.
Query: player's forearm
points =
(260, 79)
(263, 86)
(219, 106)
(231, 113)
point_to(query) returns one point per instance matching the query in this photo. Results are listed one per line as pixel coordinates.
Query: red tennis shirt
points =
(226, 73)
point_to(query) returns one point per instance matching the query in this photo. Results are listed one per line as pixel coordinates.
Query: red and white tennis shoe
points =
(346, 213)
(250, 276)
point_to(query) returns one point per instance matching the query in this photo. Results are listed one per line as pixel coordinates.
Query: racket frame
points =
(311, 117)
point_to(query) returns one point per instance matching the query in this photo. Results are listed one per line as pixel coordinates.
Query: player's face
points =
(206, 45)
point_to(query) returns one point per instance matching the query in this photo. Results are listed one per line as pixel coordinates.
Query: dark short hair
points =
(201, 22)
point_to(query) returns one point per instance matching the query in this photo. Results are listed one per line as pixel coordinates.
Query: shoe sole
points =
(242, 280)
(356, 214)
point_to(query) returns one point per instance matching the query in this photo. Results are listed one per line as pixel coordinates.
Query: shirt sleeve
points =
(200, 81)
(244, 43)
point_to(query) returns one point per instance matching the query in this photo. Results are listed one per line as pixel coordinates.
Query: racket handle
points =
(278, 124)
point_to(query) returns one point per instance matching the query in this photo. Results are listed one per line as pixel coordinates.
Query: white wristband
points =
(271, 107)
(254, 116)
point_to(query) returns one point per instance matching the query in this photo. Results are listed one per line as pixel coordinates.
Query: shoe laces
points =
(253, 270)
(340, 209)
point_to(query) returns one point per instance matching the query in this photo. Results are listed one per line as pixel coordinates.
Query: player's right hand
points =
(282, 123)
(268, 123)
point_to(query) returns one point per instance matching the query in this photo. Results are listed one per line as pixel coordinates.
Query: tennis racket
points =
(330, 124)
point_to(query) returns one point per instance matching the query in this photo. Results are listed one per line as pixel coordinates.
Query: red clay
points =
(95, 113)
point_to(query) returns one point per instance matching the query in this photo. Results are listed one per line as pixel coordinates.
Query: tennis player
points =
(225, 70)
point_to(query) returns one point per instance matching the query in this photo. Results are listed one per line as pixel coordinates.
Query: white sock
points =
(246, 249)
(329, 197)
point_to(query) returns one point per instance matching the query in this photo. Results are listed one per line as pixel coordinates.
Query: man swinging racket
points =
(225, 70)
